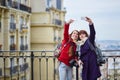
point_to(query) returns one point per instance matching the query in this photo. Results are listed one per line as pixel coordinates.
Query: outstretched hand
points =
(89, 20)
(70, 21)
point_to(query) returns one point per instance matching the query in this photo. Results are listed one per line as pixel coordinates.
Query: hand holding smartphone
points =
(87, 19)
(83, 18)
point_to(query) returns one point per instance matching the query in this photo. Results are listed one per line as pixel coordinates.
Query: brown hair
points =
(83, 32)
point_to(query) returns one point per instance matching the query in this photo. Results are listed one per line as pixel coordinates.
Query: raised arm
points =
(92, 30)
(66, 30)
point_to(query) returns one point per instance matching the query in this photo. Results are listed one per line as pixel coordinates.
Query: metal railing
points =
(2, 2)
(42, 65)
(57, 22)
(15, 5)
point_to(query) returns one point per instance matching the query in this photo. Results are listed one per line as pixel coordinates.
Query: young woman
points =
(90, 69)
(67, 53)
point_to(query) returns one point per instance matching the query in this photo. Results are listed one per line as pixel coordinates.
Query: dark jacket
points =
(90, 69)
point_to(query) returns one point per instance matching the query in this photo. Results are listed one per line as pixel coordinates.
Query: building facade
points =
(47, 21)
(14, 35)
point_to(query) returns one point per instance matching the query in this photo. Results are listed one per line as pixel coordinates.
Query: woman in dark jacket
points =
(90, 69)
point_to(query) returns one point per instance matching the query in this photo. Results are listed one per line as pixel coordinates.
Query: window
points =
(19, 1)
(21, 22)
(12, 44)
(58, 4)
(12, 22)
(22, 43)
(12, 40)
(0, 24)
(0, 71)
(26, 39)
(22, 40)
(12, 19)
(48, 3)
(25, 2)
(26, 43)
(0, 46)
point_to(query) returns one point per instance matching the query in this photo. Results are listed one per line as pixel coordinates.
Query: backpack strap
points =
(91, 45)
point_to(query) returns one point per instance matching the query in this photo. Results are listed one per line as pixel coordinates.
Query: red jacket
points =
(65, 55)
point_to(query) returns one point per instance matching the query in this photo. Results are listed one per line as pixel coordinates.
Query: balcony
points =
(12, 27)
(2, 2)
(57, 22)
(17, 5)
(23, 28)
(25, 8)
(14, 4)
(12, 47)
(46, 65)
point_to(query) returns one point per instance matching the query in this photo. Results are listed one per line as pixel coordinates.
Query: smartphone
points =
(83, 18)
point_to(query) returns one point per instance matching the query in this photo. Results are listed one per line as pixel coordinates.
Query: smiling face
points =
(82, 34)
(74, 35)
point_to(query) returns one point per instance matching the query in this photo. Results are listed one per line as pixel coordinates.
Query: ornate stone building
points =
(14, 35)
(47, 21)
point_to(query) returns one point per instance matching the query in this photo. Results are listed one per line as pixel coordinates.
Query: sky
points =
(105, 15)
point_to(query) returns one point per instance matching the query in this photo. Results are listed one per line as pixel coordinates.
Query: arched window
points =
(21, 23)
(12, 22)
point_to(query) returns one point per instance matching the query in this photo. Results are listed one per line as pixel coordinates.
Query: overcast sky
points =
(104, 13)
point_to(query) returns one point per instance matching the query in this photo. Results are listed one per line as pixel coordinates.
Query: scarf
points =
(79, 44)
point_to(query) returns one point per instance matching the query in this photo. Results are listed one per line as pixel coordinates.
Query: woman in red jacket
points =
(67, 53)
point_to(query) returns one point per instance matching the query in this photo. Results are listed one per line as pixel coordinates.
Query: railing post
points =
(114, 69)
(4, 69)
(77, 72)
(32, 69)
